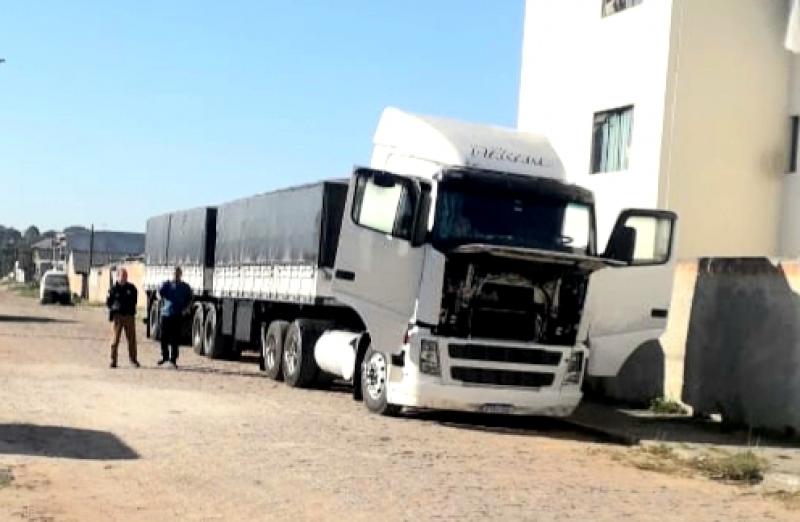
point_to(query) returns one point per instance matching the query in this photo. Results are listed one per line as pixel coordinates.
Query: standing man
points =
(176, 296)
(121, 303)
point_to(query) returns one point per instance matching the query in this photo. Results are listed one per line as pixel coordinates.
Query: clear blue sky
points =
(111, 112)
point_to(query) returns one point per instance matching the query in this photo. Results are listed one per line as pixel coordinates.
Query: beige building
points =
(689, 105)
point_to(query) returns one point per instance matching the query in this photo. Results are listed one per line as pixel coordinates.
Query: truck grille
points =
(481, 352)
(501, 377)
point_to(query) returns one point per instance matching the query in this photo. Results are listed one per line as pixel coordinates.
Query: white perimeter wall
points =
(576, 63)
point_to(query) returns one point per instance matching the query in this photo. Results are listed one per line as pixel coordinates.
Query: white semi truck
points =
(459, 271)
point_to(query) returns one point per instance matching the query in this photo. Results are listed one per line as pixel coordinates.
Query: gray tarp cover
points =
(292, 226)
(179, 238)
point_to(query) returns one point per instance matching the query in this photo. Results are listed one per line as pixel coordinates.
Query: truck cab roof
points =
(419, 145)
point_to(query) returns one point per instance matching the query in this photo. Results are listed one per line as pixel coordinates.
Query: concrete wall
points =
(743, 342)
(726, 133)
(102, 277)
(576, 63)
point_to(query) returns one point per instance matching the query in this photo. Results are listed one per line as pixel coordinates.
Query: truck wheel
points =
(198, 330)
(272, 339)
(154, 322)
(299, 366)
(214, 341)
(374, 382)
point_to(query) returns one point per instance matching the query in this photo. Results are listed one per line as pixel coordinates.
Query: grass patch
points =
(744, 466)
(6, 477)
(741, 467)
(25, 289)
(664, 406)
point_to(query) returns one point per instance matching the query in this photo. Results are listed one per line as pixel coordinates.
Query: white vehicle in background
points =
(456, 273)
(54, 288)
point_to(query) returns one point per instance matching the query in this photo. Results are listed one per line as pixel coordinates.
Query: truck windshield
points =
(473, 213)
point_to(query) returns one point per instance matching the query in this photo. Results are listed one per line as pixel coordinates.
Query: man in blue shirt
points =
(176, 298)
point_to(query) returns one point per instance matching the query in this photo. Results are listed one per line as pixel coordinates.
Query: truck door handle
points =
(659, 313)
(345, 275)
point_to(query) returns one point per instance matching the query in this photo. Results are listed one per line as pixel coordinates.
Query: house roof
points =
(114, 243)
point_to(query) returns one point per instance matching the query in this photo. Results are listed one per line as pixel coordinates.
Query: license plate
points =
(497, 408)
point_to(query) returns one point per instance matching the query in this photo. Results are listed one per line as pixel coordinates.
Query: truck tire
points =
(154, 321)
(374, 382)
(272, 339)
(198, 330)
(299, 366)
(214, 344)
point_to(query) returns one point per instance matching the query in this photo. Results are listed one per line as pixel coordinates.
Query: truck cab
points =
(471, 263)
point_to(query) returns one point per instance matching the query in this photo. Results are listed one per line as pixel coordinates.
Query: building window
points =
(611, 139)
(611, 7)
(795, 134)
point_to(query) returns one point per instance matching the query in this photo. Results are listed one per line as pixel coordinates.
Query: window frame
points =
(603, 10)
(363, 176)
(616, 110)
(794, 135)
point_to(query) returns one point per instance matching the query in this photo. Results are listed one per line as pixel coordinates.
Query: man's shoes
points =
(173, 365)
(112, 365)
(161, 362)
(136, 364)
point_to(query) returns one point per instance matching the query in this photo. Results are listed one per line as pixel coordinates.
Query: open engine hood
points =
(584, 263)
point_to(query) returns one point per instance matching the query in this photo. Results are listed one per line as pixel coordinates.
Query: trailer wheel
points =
(198, 330)
(374, 382)
(272, 339)
(154, 321)
(214, 341)
(299, 366)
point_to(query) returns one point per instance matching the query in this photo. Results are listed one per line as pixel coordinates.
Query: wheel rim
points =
(209, 331)
(197, 336)
(291, 356)
(375, 376)
(270, 352)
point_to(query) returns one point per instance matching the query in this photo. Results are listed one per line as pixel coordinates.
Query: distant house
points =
(48, 253)
(72, 250)
(83, 252)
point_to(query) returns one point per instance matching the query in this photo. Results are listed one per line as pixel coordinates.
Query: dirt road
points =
(216, 441)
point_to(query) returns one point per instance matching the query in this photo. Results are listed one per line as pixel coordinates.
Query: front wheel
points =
(374, 383)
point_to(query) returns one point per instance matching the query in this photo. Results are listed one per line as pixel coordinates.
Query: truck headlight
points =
(429, 358)
(574, 368)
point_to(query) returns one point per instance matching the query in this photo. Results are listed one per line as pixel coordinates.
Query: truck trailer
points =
(459, 271)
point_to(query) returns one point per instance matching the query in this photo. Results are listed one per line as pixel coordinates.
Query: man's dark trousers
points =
(170, 337)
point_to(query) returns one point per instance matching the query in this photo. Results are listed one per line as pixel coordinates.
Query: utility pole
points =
(91, 247)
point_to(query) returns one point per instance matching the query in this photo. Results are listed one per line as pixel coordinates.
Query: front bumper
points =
(551, 403)
(409, 387)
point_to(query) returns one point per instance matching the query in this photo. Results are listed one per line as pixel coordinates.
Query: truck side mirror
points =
(642, 237)
(621, 245)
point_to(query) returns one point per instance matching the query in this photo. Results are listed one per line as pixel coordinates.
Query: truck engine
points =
(495, 298)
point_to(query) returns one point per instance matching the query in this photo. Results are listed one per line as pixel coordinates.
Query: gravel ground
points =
(216, 441)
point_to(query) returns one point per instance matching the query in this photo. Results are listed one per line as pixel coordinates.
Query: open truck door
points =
(379, 260)
(628, 305)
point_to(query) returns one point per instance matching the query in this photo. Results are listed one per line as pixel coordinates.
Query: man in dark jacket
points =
(176, 297)
(121, 304)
